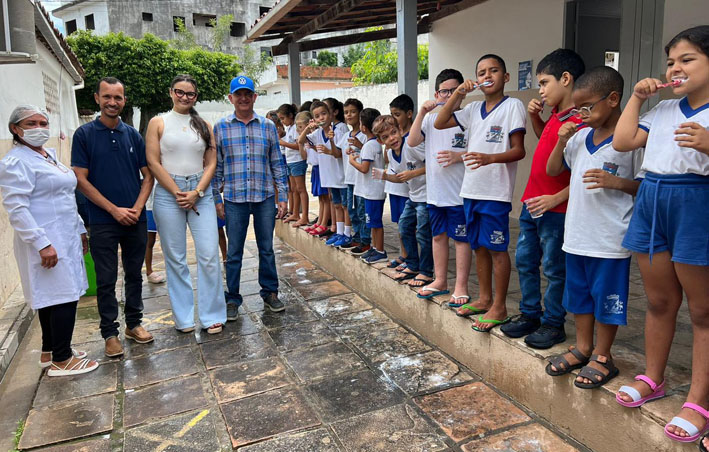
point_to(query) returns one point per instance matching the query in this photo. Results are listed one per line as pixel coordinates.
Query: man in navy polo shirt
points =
(108, 158)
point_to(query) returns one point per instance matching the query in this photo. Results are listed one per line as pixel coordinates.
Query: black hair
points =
(110, 81)
(197, 124)
(448, 74)
(403, 102)
(492, 56)
(367, 117)
(601, 80)
(288, 110)
(354, 102)
(319, 104)
(697, 36)
(305, 106)
(335, 105)
(560, 61)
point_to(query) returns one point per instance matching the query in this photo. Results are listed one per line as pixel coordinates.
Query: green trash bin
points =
(90, 275)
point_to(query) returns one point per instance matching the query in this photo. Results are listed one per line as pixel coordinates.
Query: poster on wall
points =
(612, 59)
(524, 77)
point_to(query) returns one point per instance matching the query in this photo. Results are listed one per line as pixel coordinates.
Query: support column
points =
(407, 51)
(294, 72)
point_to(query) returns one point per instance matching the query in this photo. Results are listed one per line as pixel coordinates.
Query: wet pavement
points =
(331, 373)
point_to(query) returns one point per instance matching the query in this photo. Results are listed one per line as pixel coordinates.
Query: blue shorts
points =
(597, 286)
(339, 196)
(448, 220)
(674, 204)
(297, 169)
(396, 205)
(316, 189)
(152, 227)
(487, 223)
(373, 210)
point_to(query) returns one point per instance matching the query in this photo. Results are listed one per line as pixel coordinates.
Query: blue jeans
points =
(415, 232)
(539, 243)
(355, 208)
(172, 222)
(237, 223)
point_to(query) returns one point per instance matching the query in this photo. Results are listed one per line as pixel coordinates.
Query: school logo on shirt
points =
(460, 230)
(497, 238)
(610, 167)
(494, 135)
(366, 218)
(459, 141)
(410, 166)
(613, 304)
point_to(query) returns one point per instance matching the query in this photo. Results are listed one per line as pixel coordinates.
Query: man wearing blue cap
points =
(249, 166)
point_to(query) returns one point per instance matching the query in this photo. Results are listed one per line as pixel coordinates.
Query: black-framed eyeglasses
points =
(445, 92)
(188, 94)
(586, 111)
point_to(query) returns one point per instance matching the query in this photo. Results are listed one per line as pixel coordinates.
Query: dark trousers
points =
(57, 324)
(103, 243)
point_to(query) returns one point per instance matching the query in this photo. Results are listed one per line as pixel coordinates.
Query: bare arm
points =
(445, 119)
(415, 136)
(362, 167)
(628, 136)
(152, 154)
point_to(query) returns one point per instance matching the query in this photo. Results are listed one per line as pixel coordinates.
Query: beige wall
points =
(514, 29)
(683, 14)
(24, 84)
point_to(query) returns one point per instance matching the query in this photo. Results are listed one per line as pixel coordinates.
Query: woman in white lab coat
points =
(50, 239)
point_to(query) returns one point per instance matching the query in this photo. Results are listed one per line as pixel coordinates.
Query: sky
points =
(49, 6)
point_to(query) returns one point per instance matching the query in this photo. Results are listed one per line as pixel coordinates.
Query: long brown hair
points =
(197, 124)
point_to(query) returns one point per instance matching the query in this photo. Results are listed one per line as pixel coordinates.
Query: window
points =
(89, 21)
(263, 10)
(176, 20)
(203, 20)
(314, 54)
(70, 26)
(238, 29)
(267, 51)
(147, 17)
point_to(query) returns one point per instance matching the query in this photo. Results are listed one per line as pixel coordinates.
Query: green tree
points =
(146, 66)
(221, 29)
(353, 54)
(378, 65)
(327, 58)
(185, 38)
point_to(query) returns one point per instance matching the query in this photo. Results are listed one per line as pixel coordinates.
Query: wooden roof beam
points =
(323, 19)
(271, 18)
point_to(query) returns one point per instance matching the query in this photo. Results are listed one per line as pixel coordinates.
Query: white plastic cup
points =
(533, 215)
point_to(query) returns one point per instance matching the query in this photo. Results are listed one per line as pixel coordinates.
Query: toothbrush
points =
(480, 85)
(674, 83)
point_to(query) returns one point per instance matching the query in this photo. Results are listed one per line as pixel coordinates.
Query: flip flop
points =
(395, 262)
(494, 323)
(76, 353)
(403, 276)
(701, 444)
(456, 304)
(471, 310)
(591, 374)
(434, 292)
(693, 430)
(658, 391)
(418, 282)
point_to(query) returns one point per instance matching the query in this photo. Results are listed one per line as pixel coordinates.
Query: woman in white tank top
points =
(182, 156)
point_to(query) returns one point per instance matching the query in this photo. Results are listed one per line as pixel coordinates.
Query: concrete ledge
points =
(591, 417)
(15, 320)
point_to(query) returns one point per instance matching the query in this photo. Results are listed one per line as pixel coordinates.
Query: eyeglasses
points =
(586, 111)
(445, 92)
(189, 94)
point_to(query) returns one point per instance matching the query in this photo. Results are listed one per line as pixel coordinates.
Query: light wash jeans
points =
(172, 224)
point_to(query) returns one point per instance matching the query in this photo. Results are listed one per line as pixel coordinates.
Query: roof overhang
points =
(295, 20)
(55, 42)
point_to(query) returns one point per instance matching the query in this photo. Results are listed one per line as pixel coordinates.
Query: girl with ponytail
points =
(182, 156)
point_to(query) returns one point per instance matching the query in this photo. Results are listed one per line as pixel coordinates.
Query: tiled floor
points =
(332, 373)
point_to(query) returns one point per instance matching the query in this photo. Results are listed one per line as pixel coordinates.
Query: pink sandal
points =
(658, 391)
(694, 432)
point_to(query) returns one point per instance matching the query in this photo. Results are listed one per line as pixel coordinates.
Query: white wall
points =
(24, 84)
(683, 14)
(98, 9)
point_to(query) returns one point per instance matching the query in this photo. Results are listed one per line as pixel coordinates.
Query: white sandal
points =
(75, 353)
(80, 367)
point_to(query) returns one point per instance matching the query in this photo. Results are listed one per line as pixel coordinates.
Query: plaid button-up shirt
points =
(249, 160)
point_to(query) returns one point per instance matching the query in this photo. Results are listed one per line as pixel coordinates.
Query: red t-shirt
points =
(539, 182)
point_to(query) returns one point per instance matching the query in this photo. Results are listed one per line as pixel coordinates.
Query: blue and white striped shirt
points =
(249, 160)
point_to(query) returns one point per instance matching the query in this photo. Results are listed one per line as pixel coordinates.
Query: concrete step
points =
(592, 417)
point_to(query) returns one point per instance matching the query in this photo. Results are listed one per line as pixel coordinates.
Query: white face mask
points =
(35, 137)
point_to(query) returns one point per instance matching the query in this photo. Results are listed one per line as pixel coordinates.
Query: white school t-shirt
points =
(395, 167)
(597, 220)
(489, 133)
(343, 144)
(331, 173)
(366, 186)
(662, 154)
(291, 136)
(311, 153)
(443, 184)
(414, 158)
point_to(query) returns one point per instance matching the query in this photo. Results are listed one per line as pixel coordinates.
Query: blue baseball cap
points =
(241, 82)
